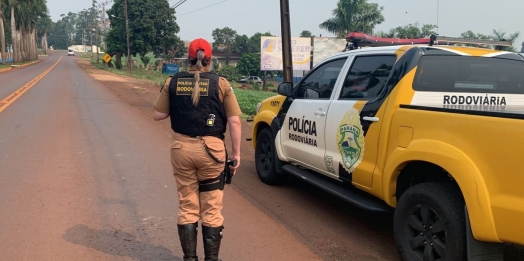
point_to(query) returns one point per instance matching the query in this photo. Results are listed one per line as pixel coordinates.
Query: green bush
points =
(247, 100)
(256, 86)
(216, 66)
(229, 72)
(145, 60)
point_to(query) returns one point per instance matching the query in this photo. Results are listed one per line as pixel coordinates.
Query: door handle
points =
(320, 113)
(373, 119)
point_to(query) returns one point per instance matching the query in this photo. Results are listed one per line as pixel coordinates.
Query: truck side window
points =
(469, 74)
(320, 83)
(367, 77)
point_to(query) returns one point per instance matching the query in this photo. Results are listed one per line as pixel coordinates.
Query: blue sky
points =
(198, 18)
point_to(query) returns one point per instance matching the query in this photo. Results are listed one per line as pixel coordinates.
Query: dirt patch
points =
(245, 87)
(138, 93)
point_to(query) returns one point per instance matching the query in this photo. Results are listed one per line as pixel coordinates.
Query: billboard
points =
(271, 53)
(325, 47)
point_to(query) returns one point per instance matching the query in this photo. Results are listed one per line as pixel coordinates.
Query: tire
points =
(430, 223)
(266, 158)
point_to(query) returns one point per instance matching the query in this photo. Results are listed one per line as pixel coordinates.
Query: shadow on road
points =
(118, 243)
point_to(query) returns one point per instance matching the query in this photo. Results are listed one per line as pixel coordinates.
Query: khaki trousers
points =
(191, 164)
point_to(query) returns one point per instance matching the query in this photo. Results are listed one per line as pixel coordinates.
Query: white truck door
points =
(351, 150)
(303, 129)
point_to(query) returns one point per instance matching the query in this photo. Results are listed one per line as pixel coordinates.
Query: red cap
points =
(199, 44)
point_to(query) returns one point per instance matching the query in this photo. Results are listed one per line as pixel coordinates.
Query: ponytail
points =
(195, 97)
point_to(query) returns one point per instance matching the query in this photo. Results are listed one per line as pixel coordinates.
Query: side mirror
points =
(285, 88)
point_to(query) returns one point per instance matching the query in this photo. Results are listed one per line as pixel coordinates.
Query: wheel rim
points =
(265, 156)
(426, 233)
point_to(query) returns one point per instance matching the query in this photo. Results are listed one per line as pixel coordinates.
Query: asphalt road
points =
(83, 176)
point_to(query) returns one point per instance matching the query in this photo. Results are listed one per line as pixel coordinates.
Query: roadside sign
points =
(107, 58)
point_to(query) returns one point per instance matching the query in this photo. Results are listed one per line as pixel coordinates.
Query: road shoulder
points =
(249, 233)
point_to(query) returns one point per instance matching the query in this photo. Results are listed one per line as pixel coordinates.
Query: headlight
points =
(258, 107)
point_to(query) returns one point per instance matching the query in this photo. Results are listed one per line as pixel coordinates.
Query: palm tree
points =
(12, 5)
(38, 9)
(499, 35)
(45, 25)
(2, 31)
(353, 16)
(24, 16)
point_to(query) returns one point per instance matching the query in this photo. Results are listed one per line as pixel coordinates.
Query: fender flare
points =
(264, 117)
(460, 167)
(275, 128)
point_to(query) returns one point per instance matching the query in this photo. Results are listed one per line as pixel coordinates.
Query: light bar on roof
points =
(472, 41)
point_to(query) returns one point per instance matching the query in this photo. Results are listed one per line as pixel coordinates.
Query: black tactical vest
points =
(208, 118)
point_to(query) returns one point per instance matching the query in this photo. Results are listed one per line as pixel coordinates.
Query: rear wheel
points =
(266, 158)
(429, 223)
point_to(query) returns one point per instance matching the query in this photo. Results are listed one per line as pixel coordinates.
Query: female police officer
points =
(200, 105)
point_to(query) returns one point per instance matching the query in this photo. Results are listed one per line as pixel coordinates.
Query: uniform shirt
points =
(225, 94)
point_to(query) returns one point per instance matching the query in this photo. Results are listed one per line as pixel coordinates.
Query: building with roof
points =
(218, 54)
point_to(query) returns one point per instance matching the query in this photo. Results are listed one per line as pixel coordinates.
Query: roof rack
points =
(453, 40)
(358, 40)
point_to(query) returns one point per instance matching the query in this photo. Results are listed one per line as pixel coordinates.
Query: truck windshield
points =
(469, 74)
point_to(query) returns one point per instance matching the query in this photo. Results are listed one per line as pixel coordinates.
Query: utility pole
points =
(104, 25)
(84, 41)
(438, 11)
(91, 39)
(286, 41)
(96, 43)
(127, 33)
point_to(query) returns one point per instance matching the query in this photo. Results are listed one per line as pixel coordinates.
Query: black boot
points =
(212, 237)
(188, 239)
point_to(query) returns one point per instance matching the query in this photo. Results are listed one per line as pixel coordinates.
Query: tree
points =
(12, 4)
(171, 48)
(216, 66)
(472, 35)
(45, 25)
(59, 35)
(497, 36)
(411, 31)
(145, 60)
(522, 50)
(241, 45)
(249, 64)
(229, 72)
(2, 31)
(152, 27)
(66, 31)
(24, 15)
(116, 37)
(353, 16)
(255, 41)
(224, 38)
(306, 33)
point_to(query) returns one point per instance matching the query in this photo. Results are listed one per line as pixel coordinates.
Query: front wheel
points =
(429, 223)
(266, 158)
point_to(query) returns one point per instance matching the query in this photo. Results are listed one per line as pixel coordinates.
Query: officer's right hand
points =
(234, 168)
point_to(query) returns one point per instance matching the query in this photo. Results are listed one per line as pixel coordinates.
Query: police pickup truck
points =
(432, 132)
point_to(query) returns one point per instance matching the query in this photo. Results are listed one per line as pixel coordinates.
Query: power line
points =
(177, 4)
(202, 8)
